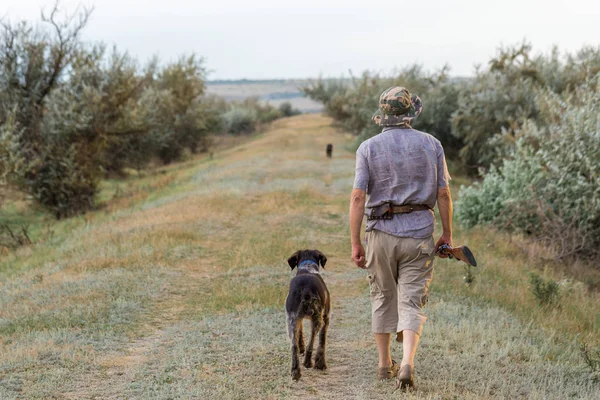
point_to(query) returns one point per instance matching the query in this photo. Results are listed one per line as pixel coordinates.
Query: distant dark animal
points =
(329, 150)
(308, 298)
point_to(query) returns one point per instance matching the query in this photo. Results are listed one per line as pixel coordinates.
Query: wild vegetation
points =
(529, 124)
(174, 287)
(175, 290)
(72, 113)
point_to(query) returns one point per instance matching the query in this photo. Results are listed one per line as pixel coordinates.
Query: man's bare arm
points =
(357, 210)
(444, 202)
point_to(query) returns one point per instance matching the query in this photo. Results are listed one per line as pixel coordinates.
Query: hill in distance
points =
(275, 92)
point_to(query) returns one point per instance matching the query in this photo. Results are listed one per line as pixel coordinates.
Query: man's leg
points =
(384, 296)
(410, 342)
(415, 274)
(383, 348)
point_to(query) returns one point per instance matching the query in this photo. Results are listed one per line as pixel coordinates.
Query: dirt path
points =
(117, 371)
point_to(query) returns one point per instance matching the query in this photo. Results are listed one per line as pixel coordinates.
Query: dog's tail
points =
(308, 302)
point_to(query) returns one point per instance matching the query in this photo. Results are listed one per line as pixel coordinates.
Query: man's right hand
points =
(358, 255)
(444, 239)
(444, 202)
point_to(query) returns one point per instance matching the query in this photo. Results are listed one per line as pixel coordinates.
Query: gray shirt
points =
(404, 166)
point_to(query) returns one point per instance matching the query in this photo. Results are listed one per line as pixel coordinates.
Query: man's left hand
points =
(358, 255)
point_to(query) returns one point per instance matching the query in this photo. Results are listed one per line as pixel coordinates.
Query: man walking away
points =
(403, 171)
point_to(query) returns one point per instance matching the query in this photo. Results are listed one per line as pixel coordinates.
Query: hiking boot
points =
(388, 372)
(405, 378)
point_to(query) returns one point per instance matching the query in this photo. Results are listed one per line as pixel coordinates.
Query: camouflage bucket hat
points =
(397, 107)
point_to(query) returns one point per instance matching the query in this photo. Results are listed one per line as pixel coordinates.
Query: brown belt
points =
(396, 209)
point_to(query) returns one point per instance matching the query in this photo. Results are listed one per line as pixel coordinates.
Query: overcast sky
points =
(260, 39)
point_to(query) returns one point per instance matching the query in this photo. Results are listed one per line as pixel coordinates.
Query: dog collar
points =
(304, 265)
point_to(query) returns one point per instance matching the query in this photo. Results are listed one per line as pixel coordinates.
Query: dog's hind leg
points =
(320, 356)
(293, 327)
(301, 348)
(315, 326)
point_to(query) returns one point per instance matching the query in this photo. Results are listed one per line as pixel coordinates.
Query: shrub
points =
(550, 187)
(498, 101)
(591, 357)
(213, 108)
(493, 107)
(441, 101)
(11, 238)
(63, 181)
(326, 91)
(240, 120)
(547, 293)
(287, 110)
(185, 123)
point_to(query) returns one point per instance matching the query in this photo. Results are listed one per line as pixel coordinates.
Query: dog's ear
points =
(322, 258)
(293, 260)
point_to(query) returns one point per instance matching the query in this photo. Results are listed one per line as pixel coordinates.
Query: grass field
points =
(175, 290)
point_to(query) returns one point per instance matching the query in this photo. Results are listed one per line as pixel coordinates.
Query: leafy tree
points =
(11, 157)
(32, 64)
(184, 81)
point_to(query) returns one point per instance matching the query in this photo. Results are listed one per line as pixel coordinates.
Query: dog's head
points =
(307, 259)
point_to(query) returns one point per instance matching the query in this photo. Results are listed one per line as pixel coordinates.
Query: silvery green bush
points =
(549, 187)
(499, 100)
(240, 120)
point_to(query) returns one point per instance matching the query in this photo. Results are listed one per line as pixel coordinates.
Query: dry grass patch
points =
(503, 278)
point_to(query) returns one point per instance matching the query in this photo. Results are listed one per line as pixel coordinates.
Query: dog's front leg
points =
(320, 356)
(316, 324)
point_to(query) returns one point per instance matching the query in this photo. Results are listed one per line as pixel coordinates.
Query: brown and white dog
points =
(308, 298)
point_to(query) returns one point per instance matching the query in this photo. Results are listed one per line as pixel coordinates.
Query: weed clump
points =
(546, 292)
(11, 239)
(591, 357)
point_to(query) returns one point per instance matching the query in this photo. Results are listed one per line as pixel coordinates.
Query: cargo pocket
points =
(374, 289)
(427, 252)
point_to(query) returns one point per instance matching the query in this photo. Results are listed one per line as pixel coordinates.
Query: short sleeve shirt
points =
(404, 166)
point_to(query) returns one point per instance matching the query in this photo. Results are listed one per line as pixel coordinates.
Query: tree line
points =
(527, 125)
(74, 112)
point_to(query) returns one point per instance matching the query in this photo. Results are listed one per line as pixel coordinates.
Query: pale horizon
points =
(272, 40)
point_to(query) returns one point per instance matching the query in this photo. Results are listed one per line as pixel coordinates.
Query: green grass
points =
(175, 289)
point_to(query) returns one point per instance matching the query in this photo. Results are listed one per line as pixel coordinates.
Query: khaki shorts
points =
(400, 270)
